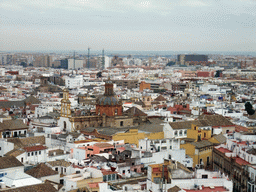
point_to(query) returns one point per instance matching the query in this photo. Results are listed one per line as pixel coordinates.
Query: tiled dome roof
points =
(108, 100)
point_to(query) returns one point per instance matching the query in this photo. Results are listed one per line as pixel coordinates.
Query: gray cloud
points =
(128, 25)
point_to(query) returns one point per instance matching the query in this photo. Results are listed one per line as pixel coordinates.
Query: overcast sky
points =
(175, 25)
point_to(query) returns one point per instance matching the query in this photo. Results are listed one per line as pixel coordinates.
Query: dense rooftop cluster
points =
(134, 124)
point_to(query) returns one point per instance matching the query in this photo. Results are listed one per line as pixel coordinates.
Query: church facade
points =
(109, 113)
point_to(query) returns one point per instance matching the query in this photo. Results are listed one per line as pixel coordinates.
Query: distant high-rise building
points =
(75, 63)
(64, 63)
(183, 58)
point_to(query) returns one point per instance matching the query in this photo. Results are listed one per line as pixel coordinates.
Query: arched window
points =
(180, 133)
(65, 126)
(185, 132)
(176, 133)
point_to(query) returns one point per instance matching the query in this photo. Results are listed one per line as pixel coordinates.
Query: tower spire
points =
(103, 59)
(88, 63)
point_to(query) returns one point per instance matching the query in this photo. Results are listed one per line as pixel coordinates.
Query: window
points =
(115, 111)
(21, 159)
(65, 170)
(170, 147)
(28, 154)
(65, 126)
(36, 153)
(56, 169)
(39, 152)
(0, 148)
(180, 133)
(176, 133)
(123, 171)
(121, 123)
(32, 153)
(208, 160)
(140, 147)
(185, 132)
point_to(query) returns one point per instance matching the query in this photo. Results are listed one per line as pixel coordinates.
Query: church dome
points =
(107, 100)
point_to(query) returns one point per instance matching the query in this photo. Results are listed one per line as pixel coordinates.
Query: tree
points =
(99, 74)
(23, 64)
(218, 73)
(249, 109)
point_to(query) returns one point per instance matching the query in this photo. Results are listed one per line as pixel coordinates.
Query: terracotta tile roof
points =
(94, 185)
(8, 162)
(160, 98)
(35, 148)
(33, 188)
(15, 152)
(27, 141)
(223, 150)
(103, 145)
(239, 128)
(134, 111)
(240, 161)
(41, 170)
(108, 172)
(182, 124)
(216, 120)
(202, 144)
(16, 124)
(32, 100)
(174, 189)
(56, 185)
(220, 138)
(61, 163)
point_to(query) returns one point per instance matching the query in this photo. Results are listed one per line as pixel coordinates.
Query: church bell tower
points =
(65, 104)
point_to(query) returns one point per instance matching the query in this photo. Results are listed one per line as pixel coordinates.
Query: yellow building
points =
(198, 132)
(200, 151)
(168, 171)
(133, 136)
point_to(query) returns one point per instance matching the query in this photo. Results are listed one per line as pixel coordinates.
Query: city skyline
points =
(189, 25)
